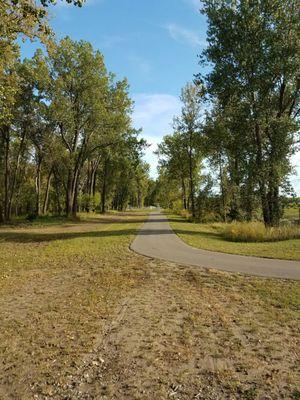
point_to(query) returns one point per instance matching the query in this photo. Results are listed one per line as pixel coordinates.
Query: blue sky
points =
(154, 43)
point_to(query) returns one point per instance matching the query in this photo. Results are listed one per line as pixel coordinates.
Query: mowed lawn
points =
(208, 236)
(83, 317)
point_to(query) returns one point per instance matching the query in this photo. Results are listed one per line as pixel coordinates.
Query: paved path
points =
(156, 239)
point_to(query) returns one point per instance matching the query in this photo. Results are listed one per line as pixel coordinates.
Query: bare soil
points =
(83, 317)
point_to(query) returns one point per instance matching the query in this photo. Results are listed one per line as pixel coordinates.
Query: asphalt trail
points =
(156, 239)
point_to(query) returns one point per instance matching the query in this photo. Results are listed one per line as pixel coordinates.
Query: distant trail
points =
(156, 239)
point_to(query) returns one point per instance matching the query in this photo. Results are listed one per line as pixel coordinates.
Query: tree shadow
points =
(34, 237)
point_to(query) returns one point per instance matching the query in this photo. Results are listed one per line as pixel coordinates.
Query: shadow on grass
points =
(33, 237)
(106, 218)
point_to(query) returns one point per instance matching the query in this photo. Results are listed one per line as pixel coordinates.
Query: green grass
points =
(291, 213)
(210, 236)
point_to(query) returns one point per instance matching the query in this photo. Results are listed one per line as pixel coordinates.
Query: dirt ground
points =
(83, 317)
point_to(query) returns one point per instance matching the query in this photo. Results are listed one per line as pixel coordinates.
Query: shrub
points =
(211, 217)
(185, 214)
(257, 232)
(31, 217)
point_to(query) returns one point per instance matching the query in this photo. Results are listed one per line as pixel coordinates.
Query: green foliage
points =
(25, 19)
(254, 91)
(180, 154)
(70, 137)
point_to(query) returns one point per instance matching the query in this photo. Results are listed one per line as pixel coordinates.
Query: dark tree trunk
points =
(74, 203)
(103, 192)
(46, 198)
(6, 173)
(192, 189)
(261, 178)
(69, 194)
(223, 191)
(57, 193)
(184, 203)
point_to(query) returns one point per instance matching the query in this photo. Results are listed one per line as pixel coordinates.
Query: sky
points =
(154, 43)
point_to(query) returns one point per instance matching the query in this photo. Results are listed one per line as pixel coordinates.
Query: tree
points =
(254, 52)
(69, 137)
(189, 126)
(26, 18)
(180, 154)
(173, 159)
(90, 109)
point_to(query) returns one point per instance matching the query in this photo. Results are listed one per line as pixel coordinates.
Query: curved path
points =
(156, 239)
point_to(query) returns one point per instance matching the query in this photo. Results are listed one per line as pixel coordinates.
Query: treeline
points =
(66, 137)
(243, 123)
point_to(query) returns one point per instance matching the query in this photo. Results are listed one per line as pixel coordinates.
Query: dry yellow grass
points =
(257, 232)
(83, 317)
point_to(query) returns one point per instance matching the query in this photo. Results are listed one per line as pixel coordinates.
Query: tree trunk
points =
(46, 198)
(192, 194)
(223, 192)
(14, 178)
(184, 204)
(57, 193)
(38, 187)
(103, 192)
(74, 202)
(69, 194)
(6, 173)
(1, 214)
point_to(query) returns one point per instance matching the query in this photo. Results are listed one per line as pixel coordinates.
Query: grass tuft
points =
(257, 232)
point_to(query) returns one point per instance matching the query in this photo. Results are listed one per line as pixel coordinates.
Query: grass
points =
(210, 236)
(83, 317)
(257, 232)
(291, 213)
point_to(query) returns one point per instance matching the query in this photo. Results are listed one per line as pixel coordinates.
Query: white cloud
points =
(183, 35)
(154, 113)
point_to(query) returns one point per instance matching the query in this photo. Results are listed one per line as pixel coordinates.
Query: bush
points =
(211, 217)
(185, 214)
(257, 232)
(31, 217)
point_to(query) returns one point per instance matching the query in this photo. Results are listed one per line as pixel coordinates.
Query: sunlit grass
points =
(257, 232)
(68, 288)
(292, 212)
(210, 236)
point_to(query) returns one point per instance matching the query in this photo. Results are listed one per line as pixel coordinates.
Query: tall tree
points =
(174, 160)
(188, 124)
(26, 18)
(254, 51)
